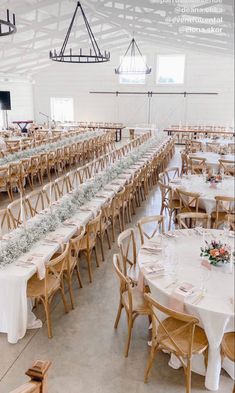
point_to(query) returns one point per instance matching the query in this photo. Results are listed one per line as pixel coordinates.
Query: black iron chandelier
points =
(135, 64)
(8, 26)
(93, 56)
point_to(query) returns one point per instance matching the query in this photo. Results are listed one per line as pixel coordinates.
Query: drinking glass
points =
(205, 274)
(204, 173)
(226, 228)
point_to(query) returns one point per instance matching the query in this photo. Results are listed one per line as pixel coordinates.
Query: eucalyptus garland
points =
(23, 239)
(49, 147)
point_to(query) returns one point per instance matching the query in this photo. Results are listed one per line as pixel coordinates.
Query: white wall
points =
(22, 101)
(204, 73)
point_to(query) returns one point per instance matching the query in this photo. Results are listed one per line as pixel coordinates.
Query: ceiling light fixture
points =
(7, 26)
(133, 62)
(93, 56)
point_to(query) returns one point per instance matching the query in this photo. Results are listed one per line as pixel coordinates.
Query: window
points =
(62, 109)
(139, 64)
(170, 69)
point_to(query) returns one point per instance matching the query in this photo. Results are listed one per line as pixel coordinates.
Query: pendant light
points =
(94, 55)
(7, 26)
(136, 64)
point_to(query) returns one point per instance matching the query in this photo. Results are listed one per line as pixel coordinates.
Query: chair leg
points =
(69, 282)
(63, 296)
(188, 377)
(113, 230)
(101, 246)
(130, 324)
(108, 240)
(120, 307)
(96, 256)
(78, 276)
(48, 318)
(150, 363)
(88, 257)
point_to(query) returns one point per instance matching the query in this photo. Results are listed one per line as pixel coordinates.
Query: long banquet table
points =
(15, 309)
(179, 252)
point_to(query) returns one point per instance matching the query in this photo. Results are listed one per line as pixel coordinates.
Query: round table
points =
(180, 256)
(212, 159)
(197, 184)
(220, 142)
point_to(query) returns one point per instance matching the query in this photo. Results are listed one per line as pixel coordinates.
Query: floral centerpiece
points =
(216, 252)
(213, 178)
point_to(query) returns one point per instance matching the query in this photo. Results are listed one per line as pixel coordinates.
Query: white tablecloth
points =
(220, 142)
(15, 310)
(215, 311)
(196, 183)
(212, 159)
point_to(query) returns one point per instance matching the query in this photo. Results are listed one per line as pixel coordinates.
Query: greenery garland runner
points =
(49, 147)
(22, 239)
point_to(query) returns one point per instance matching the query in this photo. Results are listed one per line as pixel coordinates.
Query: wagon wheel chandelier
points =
(8, 26)
(94, 55)
(135, 64)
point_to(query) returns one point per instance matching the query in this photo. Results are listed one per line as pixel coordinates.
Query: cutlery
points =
(198, 298)
(172, 283)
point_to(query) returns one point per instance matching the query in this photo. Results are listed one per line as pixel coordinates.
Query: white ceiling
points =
(42, 25)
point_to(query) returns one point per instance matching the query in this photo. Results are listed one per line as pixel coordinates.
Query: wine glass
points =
(205, 274)
(204, 173)
(226, 229)
(222, 172)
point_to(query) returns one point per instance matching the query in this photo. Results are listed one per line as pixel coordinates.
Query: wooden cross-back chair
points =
(43, 166)
(230, 218)
(83, 174)
(128, 251)
(228, 166)
(38, 378)
(195, 146)
(15, 177)
(117, 211)
(35, 202)
(5, 181)
(131, 299)
(105, 223)
(16, 216)
(189, 201)
(231, 148)
(191, 220)
(61, 186)
(46, 288)
(5, 222)
(228, 348)
(34, 170)
(89, 242)
(212, 147)
(178, 334)
(156, 223)
(169, 204)
(90, 168)
(184, 163)
(197, 164)
(224, 206)
(169, 174)
(73, 263)
(46, 194)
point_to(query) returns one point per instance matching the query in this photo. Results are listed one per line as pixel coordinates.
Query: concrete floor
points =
(87, 354)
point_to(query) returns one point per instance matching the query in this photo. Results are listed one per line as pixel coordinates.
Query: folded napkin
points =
(178, 296)
(206, 264)
(72, 222)
(38, 261)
